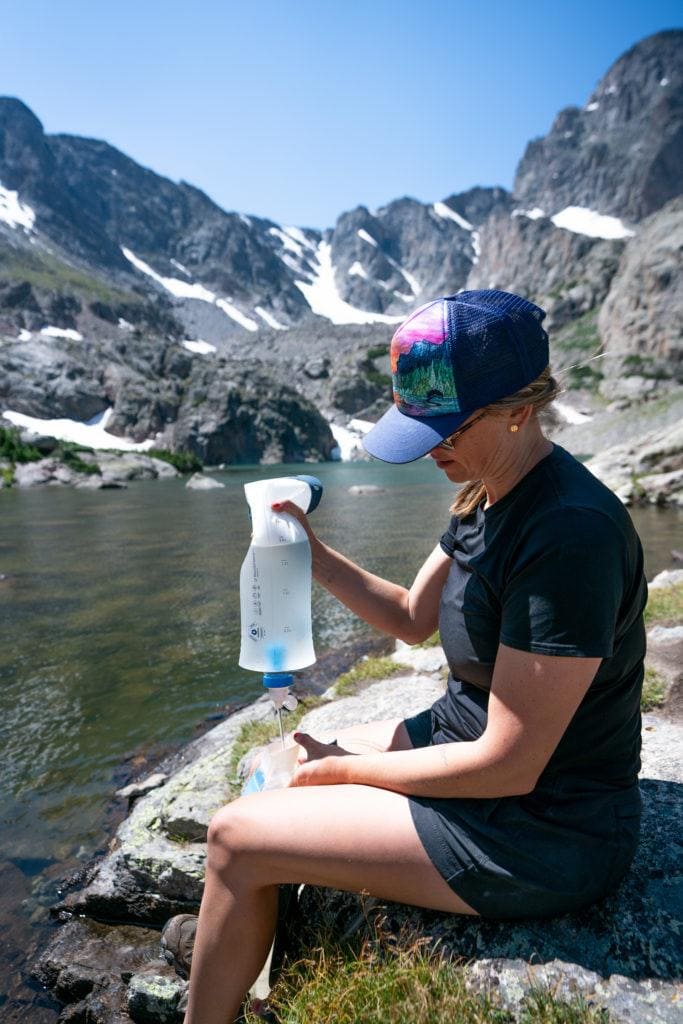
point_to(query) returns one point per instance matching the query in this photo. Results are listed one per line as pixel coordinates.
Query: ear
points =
(520, 416)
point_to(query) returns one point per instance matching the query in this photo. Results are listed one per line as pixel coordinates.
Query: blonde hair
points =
(539, 394)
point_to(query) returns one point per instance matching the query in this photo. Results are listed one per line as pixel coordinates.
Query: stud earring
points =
(514, 428)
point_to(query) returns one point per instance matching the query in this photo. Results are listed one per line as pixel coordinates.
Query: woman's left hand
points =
(322, 765)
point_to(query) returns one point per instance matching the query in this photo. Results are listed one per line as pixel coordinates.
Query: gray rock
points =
(154, 998)
(136, 789)
(199, 482)
(420, 659)
(667, 578)
(627, 468)
(33, 474)
(641, 320)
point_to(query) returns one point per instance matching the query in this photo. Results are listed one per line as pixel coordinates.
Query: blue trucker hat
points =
(453, 356)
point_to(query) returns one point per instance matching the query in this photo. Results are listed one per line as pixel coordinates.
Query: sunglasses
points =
(448, 442)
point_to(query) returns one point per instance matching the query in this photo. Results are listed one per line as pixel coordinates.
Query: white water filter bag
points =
(275, 582)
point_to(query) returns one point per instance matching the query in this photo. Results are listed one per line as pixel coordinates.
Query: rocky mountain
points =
(622, 153)
(123, 290)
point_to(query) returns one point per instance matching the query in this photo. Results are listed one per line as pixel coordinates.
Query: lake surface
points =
(119, 632)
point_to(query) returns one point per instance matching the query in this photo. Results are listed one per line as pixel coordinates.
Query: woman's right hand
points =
(293, 510)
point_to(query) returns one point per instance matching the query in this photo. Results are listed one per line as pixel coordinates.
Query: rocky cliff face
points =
(641, 320)
(622, 153)
(120, 288)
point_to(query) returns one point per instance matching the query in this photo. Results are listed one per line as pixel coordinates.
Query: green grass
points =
(382, 380)
(47, 273)
(7, 474)
(581, 333)
(14, 449)
(654, 690)
(665, 604)
(257, 734)
(365, 671)
(376, 351)
(393, 982)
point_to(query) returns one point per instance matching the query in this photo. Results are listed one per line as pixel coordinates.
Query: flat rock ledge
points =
(623, 953)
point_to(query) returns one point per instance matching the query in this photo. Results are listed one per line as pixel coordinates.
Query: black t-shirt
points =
(554, 567)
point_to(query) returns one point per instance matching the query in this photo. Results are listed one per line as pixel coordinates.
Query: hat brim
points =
(397, 437)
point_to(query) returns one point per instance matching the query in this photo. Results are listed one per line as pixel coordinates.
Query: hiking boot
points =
(177, 942)
(178, 935)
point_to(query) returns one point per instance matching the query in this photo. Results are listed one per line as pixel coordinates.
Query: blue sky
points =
(298, 110)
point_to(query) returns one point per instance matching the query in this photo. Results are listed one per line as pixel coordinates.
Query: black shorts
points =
(555, 850)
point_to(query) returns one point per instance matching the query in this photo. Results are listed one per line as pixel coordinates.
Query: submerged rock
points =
(199, 482)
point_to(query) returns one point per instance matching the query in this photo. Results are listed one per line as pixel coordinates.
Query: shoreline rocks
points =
(104, 962)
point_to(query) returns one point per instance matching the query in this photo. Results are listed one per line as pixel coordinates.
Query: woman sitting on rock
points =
(515, 795)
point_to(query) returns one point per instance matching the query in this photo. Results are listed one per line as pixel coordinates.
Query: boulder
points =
(648, 470)
(200, 482)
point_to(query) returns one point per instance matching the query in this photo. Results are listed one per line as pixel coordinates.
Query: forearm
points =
(379, 602)
(443, 770)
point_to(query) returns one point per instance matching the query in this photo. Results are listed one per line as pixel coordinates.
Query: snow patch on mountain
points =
(569, 414)
(186, 290)
(363, 234)
(92, 433)
(445, 212)
(180, 289)
(583, 221)
(349, 438)
(269, 319)
(202, 348)
(534, 214)
(61, 332)
(324, 299)
(14, 212)
(356, 270)
(234, 313)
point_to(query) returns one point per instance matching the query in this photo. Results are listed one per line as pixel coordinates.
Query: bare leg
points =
(356, 838)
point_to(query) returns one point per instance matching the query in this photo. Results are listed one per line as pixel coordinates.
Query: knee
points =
(232, 837)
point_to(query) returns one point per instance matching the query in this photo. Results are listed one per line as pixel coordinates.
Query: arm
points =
(533, 698)
(409, 614)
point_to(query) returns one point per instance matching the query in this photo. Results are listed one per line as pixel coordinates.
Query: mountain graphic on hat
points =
(450, 358)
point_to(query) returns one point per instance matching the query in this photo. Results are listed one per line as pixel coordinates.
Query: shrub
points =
(14, 449)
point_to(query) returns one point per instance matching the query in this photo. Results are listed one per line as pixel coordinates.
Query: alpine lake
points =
(119, 635)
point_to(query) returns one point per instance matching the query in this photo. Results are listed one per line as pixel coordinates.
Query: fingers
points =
(290, 509)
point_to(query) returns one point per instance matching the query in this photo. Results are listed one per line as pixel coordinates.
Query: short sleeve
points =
(565, 586)
(448, 538)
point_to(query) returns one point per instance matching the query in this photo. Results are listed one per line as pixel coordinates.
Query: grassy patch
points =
(47, 273)
(391, 983)
(376, 351)
(581, 334)
(382, 380)
(365, 671)
(184, 462)
(14, 449)
(7, 475)
(665, 604)
(654, 690)
(257, 734)
(68, 454)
